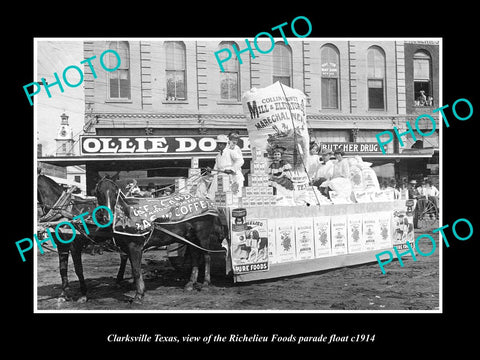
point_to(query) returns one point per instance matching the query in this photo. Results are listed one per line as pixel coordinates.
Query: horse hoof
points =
(137, 300)
(82, 299)
(206, 286)
(64, 297)
(189, 286)
(197, 286)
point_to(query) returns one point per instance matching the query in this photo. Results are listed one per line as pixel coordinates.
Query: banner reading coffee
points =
(136, 216)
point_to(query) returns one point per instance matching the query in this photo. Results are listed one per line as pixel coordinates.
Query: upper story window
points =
(230, 77)
(422, 81)
(119, 80)
(282, 64)
(376, 78)
(175, 70)
(329, 76)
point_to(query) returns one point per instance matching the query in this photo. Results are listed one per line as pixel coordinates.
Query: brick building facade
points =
(167, 87)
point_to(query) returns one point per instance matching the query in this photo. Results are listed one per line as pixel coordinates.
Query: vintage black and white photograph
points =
(274, 174)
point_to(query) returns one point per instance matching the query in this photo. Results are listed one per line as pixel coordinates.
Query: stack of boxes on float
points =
(189, 185)
(224, 195)
(258, 192)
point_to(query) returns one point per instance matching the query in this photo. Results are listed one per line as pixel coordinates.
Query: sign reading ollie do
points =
(121, 145)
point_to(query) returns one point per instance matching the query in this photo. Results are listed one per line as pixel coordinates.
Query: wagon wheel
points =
(429, 216)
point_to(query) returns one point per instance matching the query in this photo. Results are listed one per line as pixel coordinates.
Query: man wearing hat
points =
(414, 194)
(230, 161)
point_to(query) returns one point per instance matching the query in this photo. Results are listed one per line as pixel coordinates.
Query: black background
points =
(81, 334)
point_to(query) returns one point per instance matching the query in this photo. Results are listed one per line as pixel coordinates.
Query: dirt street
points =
(362, 287)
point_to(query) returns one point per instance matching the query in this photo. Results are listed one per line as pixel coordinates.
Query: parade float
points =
(278, 223)
(279, 228)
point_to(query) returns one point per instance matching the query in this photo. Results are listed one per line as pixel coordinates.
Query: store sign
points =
(141, 145)
(352, 147)
(329, 70)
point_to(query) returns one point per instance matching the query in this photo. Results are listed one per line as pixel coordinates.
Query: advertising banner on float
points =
(272, 251)
(249, 243)
(285, 240)
(304, 238)
(371, 231)
(385, 225)
(339, 235)
(135, 216)
(354, 233)
(276, 118)
(403, 230)
(323, 244)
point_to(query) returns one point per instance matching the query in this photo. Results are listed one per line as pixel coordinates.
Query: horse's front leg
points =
(206, 280)
(135, 255)
(192, 283)
(77, 263)
(121, 269)
(63, 253)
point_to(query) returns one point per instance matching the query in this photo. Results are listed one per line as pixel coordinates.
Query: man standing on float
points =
(229, 161)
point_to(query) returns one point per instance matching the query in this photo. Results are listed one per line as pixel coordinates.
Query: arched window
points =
(282, 64)
(230, 77)
(119, 80)
(422, 82)
(175, 70)
(330, 67)
(376, 78)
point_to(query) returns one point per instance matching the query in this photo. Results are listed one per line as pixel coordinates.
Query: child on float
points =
(280, 170)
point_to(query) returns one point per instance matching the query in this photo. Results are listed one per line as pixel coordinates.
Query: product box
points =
(339, 234)
(304, 241)
(255, 190)
(285, 240)
(370, 232)
(194, 162)
(354, 233)
(247, 191)
(272, 252)
(385, 230)
(257, 155)
(258, 168)
(322, 236)
(362, 196)
(223, 183)
(257, 179)
(265, 190)
(180, 185)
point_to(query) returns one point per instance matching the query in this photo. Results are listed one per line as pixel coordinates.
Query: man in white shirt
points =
(430, 192)
(237, 160)
(230, 161)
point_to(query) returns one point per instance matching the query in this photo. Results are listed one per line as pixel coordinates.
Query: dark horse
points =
(48, 192)
(205, 231)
